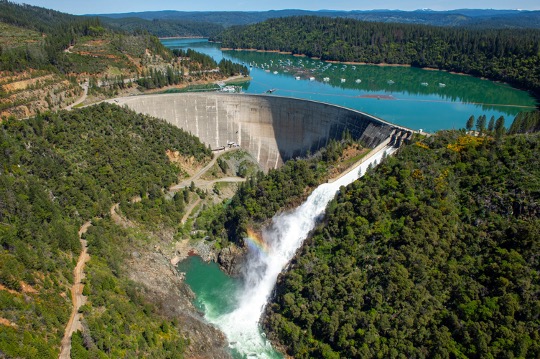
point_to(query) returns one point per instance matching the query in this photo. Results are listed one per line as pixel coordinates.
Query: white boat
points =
(297, 77)
(326, 79)
(275, 72)
(424, 84)
(343, 80)
(358, 81)
(390, 82)
(312, 79)
(441, 84)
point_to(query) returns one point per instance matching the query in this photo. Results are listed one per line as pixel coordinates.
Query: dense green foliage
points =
(432, 254)
(229, 68)
(485, 18)
(507, 55)
(34, 17)
(130, 327)
(526, 122)
(263, 195)
(57, 170)
(164, 27)
(59, 31)
(206, 62)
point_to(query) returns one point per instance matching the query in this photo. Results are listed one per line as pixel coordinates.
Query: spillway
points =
(272, 129)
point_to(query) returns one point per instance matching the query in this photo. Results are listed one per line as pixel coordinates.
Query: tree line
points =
(506, 55)
(432, 254)
(58, 170)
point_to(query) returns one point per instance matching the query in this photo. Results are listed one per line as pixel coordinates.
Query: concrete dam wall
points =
(273, 129)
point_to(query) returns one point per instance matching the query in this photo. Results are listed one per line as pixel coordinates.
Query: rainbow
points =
(255, 241)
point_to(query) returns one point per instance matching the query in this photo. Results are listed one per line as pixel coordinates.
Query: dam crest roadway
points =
(272, 129)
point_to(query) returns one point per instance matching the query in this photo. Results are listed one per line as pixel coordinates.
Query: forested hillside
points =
(506, 55)
(432, 254)
(47, 58)
(263, 195)
(484, 18)
(164, 27)
(57, 171)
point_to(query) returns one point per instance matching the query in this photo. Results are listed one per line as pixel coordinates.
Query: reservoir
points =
(414, 98)
(411, 97)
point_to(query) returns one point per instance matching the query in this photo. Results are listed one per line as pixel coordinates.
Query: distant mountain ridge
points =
(489, 18)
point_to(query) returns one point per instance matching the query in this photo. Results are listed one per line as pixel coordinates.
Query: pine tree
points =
(491, 124)
(470, 123)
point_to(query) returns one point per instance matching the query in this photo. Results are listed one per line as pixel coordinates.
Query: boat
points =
(275, 72)
(312, 79)
(326, 79)
(390, 82)
(297, 77)
(343, 80)
(270, 91)
(358, 81)
(441, 84)
(424, 84)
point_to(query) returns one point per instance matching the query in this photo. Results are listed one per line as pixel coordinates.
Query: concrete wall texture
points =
(273, 129)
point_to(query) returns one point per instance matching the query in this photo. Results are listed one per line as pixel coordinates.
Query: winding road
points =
(205, 183)
(77, 298)
(82, 98)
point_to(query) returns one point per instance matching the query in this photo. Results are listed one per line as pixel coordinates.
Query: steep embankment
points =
(434, 253)
(59, 170)
(50, 61)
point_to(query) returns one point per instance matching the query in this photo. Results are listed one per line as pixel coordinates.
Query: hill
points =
(164, 27)
(463, 17)
(61, 170)
(432, 254)
(50, 60)
(505, 55)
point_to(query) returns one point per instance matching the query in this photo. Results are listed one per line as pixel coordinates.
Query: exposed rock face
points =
(231, 259)
(163, 285)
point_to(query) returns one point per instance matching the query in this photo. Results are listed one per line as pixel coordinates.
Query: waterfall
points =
(283, 237)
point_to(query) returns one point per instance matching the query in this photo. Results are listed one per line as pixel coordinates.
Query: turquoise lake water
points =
(411, 97)
(415, 98)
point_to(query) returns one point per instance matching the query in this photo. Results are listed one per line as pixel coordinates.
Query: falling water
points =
(283, 237)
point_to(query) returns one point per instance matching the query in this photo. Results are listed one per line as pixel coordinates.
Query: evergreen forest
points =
(56, 172)
(432, 254)
(507, 55)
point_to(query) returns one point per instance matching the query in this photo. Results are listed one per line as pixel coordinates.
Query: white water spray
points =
(283, 237)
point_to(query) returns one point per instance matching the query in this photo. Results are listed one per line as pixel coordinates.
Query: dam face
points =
(272, 129)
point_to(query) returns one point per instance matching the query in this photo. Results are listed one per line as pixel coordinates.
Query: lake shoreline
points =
(181, 37)
(357, 63)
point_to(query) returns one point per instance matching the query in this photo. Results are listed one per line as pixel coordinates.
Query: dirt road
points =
(77, 298)
(82, 98)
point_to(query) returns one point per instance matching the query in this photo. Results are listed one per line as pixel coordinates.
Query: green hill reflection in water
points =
(415, 98)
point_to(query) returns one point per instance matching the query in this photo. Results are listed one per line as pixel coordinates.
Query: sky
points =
(79, 7)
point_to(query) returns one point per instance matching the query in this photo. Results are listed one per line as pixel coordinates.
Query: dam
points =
(272, 129)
